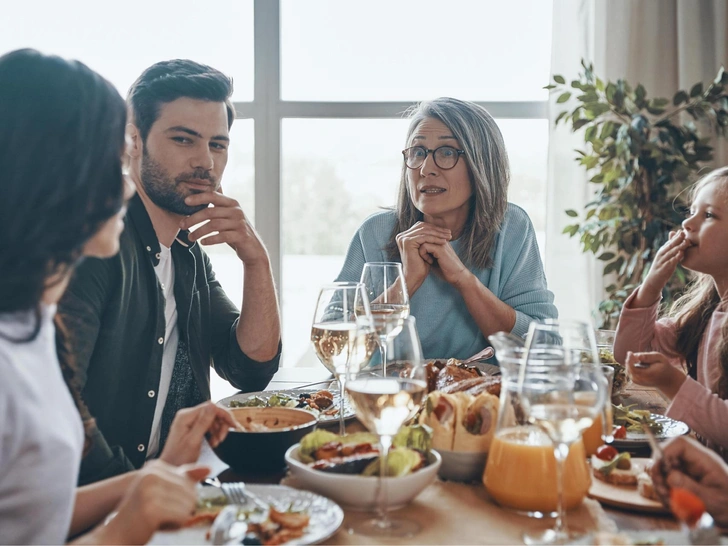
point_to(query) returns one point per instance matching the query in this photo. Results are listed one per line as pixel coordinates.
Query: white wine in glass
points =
(334, 332)
(384, 398)
(388, 299)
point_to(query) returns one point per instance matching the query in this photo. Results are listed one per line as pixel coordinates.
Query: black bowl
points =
(263, 451)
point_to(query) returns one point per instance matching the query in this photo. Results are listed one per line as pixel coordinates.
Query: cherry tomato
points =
(620, 432)
(606, 453)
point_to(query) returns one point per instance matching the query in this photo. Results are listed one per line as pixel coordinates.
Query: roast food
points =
(454, 376)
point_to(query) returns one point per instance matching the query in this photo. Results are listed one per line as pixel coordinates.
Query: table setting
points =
(397, 449)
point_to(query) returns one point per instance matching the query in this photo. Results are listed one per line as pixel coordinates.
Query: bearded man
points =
(145, 326)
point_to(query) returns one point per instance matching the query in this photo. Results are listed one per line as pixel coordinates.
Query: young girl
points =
(63, 192)
(695, 334)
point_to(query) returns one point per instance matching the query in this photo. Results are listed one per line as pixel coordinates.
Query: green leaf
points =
(606, 256)
(549, 87)
(563, 97)
(572, 213)
(696, 90)
(559, 79)
(590, 133)
(579, 123)
(571, 230)
(679, 98)
(561, 116)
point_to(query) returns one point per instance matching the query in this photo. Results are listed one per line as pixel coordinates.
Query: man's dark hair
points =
(167, 81)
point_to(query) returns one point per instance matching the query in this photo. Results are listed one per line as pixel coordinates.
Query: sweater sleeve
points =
(703, 411)
(524, 287)
(639, 330)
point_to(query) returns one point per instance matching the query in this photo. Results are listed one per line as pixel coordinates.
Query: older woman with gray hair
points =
(470, 258)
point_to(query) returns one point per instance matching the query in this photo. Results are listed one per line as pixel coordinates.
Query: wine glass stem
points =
(561, 451)
(383, 352)
(341, 378)
(385, 442)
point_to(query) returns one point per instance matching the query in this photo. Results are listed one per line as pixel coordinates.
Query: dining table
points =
(462, 513)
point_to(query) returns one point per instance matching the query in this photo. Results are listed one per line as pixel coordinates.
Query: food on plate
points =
(274, 527)
(320, 401)
(686, 505)
(606, 453)
(440, 413)
(616, 468)
(634, 419)
(358, 453)
(606, 356)
(617, 471)
(461, 421)
(619, 432)
(207, 510)
(645, 487)
(279, 528)
(442, 374)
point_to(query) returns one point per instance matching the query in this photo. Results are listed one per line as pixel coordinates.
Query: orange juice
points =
(593, 435)
(521, 471)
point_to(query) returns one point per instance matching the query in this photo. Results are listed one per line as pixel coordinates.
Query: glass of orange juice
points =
(521, 472)
(601, 430)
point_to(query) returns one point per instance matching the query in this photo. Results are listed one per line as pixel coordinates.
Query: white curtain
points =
(664, 44)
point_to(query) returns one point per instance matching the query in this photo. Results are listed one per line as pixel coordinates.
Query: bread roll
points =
(441, 414)
(476, 422)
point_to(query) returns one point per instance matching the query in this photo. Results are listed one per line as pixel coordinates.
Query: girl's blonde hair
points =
(693, 310)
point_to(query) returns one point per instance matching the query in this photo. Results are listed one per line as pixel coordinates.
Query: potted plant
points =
(642, 154)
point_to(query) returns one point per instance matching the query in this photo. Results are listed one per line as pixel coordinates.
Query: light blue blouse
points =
(445, 326)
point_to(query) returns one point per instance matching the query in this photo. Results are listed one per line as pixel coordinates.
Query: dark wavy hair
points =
(61, 141)
(167, 81)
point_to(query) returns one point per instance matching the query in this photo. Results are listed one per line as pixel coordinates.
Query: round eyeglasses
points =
(446, 157)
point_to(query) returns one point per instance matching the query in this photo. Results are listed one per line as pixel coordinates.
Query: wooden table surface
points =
(288, 378)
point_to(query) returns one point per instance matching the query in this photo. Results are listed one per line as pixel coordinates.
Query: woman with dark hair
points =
(470, 258)
(63, 192)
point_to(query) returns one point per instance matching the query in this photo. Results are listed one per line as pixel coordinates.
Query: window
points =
(320, 102)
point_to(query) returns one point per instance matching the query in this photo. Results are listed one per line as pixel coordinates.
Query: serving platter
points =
(637, 439)
(626, 496)
(324, 417)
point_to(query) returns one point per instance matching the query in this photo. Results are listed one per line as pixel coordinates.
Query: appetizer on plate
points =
(610, 466)
(358, 453)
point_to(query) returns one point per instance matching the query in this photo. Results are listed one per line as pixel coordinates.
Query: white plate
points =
(626, 496)
(670, 429)
(331, 386)
(326, 515)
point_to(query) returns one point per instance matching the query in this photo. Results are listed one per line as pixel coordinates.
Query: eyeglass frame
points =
(428, 151)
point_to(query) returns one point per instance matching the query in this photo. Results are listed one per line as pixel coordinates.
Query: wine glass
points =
(388, 299)
(562, 392)
(333, 332)
(384, 398)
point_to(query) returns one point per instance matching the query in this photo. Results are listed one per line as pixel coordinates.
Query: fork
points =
(236, 493)
(704, 531)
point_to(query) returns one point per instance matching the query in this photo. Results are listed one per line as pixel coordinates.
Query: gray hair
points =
(487, 161)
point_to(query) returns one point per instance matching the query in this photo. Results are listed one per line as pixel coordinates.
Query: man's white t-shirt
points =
(165, 275)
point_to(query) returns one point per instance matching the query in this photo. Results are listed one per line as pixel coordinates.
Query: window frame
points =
(268, 111)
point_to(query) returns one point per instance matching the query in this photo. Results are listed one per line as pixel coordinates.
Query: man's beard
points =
(165, 192)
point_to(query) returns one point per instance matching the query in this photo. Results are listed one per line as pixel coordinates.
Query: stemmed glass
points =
(385, 398)
(388, 299)
(333, 332)
(562, 391)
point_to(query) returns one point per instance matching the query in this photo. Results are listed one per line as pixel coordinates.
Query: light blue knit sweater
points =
(445, 326)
